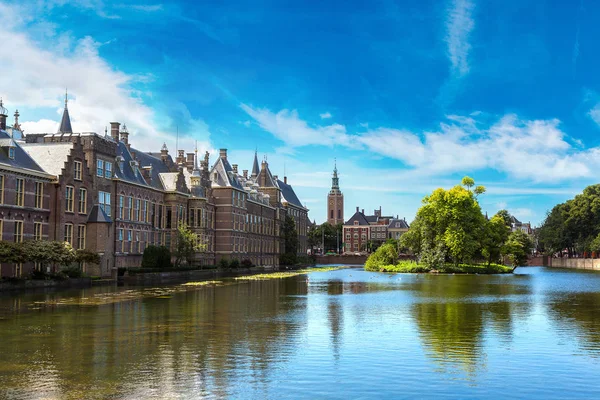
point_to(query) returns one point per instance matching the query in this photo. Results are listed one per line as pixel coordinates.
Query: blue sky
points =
(407, 95)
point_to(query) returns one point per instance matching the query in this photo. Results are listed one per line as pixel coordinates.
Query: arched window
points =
(339, 214)
(331, 214)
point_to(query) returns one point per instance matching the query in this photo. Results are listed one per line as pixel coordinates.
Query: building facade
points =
(97, 192)
(335, 201)
(367, 232)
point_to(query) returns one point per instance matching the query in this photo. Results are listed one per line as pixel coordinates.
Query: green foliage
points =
(72, 271)
(11, 252)
(87, 256)
(223, 263)
(414, 267)
(384, 255)
(497, 230)
(517, 247)
(188, 244)
(307, 260)
(246, 263)
(331, 235)
(234, 264)
(156, 257)
(290, 238)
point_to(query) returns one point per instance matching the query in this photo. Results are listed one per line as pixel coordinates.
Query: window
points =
(145, 211)
(18, 231)
(120, 233)
(130, 239)
(104, 202)
(1, 189)
(100, 168)
(107, 169)
(129, 207)
(77, 171)
(82, 200)
(20, 192)
(137, 241)
(69, 199)
(37, 231)
(136, 210)
(39, 195)
(69, 233)
(11, 153)
(121, 204)
(81, 236)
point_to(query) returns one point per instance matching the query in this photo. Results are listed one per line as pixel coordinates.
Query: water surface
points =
(334, 335)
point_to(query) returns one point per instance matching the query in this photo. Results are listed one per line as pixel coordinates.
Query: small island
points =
(450, 234)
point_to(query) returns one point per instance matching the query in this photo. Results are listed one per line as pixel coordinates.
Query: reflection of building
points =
(97, 192)
(335, 201)
(365, 232)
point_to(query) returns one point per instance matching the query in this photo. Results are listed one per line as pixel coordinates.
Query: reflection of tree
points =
(193, 342)
(579, 312)
(451, 314)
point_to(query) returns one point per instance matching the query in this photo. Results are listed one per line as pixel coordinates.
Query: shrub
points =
(156, 257)
(287, 259)
(223, 263)
(234, 264)
(307, 260)
(246, 263)
(39, 275)
(72, 272)
(385, 255)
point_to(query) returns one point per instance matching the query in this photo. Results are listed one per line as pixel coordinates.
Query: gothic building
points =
(98, 192)
(335, 201)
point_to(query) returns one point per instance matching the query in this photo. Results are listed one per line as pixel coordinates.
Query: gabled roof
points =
(130, 173)
(225, 175)
(158, 167)
(371, 218)
(98, 215)
(358, 216)
(288, 195)
(50, 156)
(22, 158)
(396, 223)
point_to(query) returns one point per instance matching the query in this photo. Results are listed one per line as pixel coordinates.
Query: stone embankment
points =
(575, 263)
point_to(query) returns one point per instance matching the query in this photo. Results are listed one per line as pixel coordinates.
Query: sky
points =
(406, 96)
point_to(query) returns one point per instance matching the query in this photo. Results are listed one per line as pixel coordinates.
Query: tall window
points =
(130, 240)
(137, 241)
(1, 228)
(81, 236)
(20, 192)
(82, 200)
(145, 211)
(107, 169)
(39, 195)
(1, 189)
(100, 168)
(136, 210)
(18, 231)
(69, 233)
(69, 199)
(121, 203)
(104, 202)
(129, 208)
(11, 153)
(120, 238)
(77, 171)
(37, 231)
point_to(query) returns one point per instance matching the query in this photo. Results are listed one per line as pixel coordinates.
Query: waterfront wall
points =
(358, 260)
(575, 263)
(43, 284)
(159, 278)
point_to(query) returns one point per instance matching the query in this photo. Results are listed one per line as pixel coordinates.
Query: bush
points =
(39, 275)
(414, 267)
(246, 263)
(223, 263)
(385, 255)
(72, 272)
(288, 259)
(156, 257)
(234, 264)
(307, 260)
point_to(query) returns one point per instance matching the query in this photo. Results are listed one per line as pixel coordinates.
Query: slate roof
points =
(358, 216)
(129, 173)
(288, 194)
(21, 160)
(50, 156)
(371, 218)
(158, 167)
(397, 224)
(98, 215)
(225, 175)
(65, 123)
(255, 167)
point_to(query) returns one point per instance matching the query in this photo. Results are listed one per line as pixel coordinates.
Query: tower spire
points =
(335, 181)
(255, 167)
(65, 123)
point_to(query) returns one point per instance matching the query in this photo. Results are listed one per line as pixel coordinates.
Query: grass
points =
(413, 267)
(281, 275)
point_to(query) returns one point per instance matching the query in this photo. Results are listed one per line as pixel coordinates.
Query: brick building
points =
(99, 193)
(335, 201)
(366, 232)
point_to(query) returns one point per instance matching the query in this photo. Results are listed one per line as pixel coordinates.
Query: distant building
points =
(97, 192)
(516, 225)
(335, 201)
(365, 232)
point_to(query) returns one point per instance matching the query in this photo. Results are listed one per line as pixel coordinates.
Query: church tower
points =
(335, 201)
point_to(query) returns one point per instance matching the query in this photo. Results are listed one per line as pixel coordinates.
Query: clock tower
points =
(335, 200)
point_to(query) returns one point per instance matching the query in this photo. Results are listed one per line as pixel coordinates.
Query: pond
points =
(328, 335)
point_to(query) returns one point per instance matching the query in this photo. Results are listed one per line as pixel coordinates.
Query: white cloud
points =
(99, 94)
(325, 115)
(287, 126)
(459, 25)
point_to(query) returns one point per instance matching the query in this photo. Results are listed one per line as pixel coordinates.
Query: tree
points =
(156, 257)
(188, 243)
(497, 230)
(290, 238)
(517, 247)
(386, 254)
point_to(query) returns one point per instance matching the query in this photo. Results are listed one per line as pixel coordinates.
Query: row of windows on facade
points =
(244, 245)
(339, 214)
(254, 224)
(19, 199)
(133, 241)
(38, 233)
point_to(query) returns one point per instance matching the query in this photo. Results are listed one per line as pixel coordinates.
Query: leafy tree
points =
(290, 238)
(496, 232)
(156, 257)
(386, 254)
(188, 244)
(327, 233)
(517, 247)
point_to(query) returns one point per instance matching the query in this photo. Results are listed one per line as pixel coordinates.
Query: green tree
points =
(386, 254)
(497, 230)
(290, 238)
(188, 244)
(518, 246)
(156, 257)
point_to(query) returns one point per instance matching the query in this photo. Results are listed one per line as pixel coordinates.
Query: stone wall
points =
(576, 263)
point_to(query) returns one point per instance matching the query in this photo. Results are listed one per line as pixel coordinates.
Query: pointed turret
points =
(65, 123)
(255, 167)
(335, 181)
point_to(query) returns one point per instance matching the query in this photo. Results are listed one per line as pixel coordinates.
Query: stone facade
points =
(101, 194)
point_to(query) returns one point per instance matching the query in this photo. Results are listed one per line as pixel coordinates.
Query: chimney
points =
(234, 166)
(3, 116)
(356, 208)
(164, 153)
(363, 211)
(285, 180)
(147, 174)
(189, 162)
(246, 174)
(180, 157)
(223, 154)
(275, 178)
(124, 135)
(114, 130)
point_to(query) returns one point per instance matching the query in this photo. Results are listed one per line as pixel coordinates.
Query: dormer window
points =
(11, 153)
